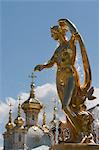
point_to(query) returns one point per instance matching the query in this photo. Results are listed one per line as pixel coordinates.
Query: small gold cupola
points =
(19, 120)
(32, 106)
(44, 117)
(45, 128)
(10, 125)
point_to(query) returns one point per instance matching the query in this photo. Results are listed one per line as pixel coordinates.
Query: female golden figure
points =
(70, 92)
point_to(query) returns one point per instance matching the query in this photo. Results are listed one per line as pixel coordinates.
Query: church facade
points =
(27, 134)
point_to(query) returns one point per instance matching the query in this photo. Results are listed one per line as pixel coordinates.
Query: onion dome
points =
(31, 106)
(19, 120)
(45, 128)
(53, 121)
(31, 103)
(10, 125)
(44, 117)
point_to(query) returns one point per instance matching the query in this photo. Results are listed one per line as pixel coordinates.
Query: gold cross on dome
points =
(32, 76)
(10, 105)
(19, 99)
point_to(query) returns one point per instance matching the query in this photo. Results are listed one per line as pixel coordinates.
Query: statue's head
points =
(55, 32)
(59, 30)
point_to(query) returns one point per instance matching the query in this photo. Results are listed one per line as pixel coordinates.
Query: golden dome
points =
(32, 102)
(19, 121)
(31, 107)
(44, 117)
(10, 125)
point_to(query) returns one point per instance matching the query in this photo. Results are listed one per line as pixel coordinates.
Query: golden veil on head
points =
(66, 24)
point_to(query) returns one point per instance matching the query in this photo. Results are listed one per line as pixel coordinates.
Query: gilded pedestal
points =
(72, 146)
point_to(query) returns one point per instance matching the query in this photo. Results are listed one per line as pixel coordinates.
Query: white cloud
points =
(4, 109)
(44, 90)
(47, 94)
(79, 65)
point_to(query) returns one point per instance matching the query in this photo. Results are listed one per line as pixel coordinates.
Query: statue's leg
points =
(68, 90)
(65, 85)
(68, 93)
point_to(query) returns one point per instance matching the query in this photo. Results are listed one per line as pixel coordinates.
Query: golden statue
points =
(71, 93)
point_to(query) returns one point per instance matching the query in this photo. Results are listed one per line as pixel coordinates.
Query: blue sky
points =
(25, 39)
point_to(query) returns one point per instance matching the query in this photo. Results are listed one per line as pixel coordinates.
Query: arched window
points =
(19, 137)
(33, 117)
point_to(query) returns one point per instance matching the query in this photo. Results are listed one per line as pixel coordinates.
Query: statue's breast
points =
(64, 55)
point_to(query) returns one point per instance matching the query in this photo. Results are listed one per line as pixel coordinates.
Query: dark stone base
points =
(72, 146)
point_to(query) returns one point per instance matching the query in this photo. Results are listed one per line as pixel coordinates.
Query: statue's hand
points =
(38, 67)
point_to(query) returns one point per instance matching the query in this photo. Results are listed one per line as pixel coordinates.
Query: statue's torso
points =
(64, 55)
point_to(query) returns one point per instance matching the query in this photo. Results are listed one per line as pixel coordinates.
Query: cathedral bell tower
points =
(31, 107)
(8, 138)
(19, 132)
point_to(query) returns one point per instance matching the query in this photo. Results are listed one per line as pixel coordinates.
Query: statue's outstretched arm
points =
(49, 64)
